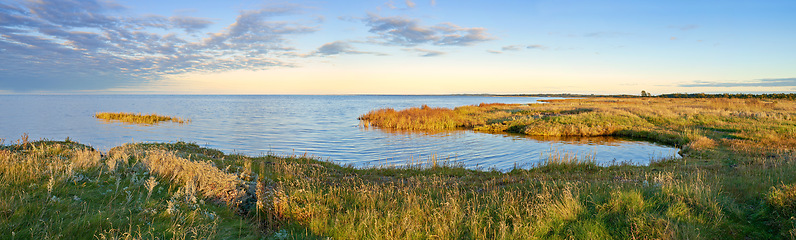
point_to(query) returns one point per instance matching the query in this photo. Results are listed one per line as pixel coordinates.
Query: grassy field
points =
(735, 181)
(138, 118)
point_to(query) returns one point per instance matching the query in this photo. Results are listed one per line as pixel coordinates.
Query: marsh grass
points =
(65, 190)
(735, 182)
(203, 193)
(691, 124)
(138, 118)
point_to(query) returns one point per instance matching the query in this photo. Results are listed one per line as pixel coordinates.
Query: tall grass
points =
(65, 190)
(431, 118)
(138, 118)
(736, 181)
(693, 124)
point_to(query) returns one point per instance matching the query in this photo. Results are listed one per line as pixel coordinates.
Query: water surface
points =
(322, 126)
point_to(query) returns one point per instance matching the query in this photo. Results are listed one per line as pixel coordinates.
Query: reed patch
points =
(138, 118)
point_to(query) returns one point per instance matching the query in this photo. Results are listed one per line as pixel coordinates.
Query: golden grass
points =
(290, 197)
(735, 182)
(138, 118)
(698, 123)
(429, 118)
(64, 190)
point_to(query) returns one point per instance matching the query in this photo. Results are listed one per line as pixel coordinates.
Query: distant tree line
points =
(788, 96)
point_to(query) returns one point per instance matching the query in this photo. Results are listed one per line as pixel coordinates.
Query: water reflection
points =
(324, 126)
(504, 151)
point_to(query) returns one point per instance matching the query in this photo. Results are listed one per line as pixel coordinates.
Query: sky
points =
(397, 47)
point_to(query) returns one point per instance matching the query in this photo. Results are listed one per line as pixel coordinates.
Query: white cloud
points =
(408, 32)
(94, 45)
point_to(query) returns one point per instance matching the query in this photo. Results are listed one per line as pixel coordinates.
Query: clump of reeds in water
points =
(138, 118)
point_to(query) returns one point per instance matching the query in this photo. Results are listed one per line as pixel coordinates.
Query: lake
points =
(322, 126)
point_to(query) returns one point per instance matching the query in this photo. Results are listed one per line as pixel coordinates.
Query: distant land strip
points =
(789, 96)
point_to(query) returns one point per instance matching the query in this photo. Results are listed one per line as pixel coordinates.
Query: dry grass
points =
(698, 123)
(65, 190)
(429, 118)
(292, 197)
(138, 118)
(735, 182)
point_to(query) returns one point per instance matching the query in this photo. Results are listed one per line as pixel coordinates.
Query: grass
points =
(67, 190)
(735, 182)
(686, 123)
(138, 118)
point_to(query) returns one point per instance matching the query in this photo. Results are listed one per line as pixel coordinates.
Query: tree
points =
(644, 93)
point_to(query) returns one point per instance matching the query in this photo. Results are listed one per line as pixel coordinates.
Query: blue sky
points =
(397, 47)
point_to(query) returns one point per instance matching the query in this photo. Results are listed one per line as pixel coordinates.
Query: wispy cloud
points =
(766, 82)
(605, 34)
(410, 4)
(68, 45)
(426, 52)
(513, 48)
(536, 46)
(339, 47)
(190, 24)
(408, 32)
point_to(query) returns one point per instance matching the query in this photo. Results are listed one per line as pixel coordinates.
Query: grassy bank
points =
(64, 190)
(735, 182)
(138, 118)
(737, 125)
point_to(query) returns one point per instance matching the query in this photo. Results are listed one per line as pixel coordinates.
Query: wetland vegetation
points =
(138, 118)
(735, 180)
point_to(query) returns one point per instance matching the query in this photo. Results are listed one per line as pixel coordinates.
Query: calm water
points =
(322, 126)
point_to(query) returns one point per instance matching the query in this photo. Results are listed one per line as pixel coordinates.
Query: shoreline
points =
(735, 181)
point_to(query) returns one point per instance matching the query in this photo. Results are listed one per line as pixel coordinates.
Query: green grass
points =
(108, 197)
(138, 118)
(65, 190)
(738, 187)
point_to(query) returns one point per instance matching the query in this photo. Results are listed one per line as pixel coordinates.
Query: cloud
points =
(408, 32)
(433, 3)
(605, 34)
(766, 82)
(536, 46)
(517, 48)
(426, 52)
(390, 5)
(335, 48)
(339, 47)
(511, 48)
(410, 4)
(190, 24)
(89, 45)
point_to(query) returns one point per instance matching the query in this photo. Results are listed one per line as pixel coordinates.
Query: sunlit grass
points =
(67, 190)
(138, 118)
(735, 181)
(688, 123)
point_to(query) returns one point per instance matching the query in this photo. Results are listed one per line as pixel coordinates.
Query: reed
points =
(138, 118)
